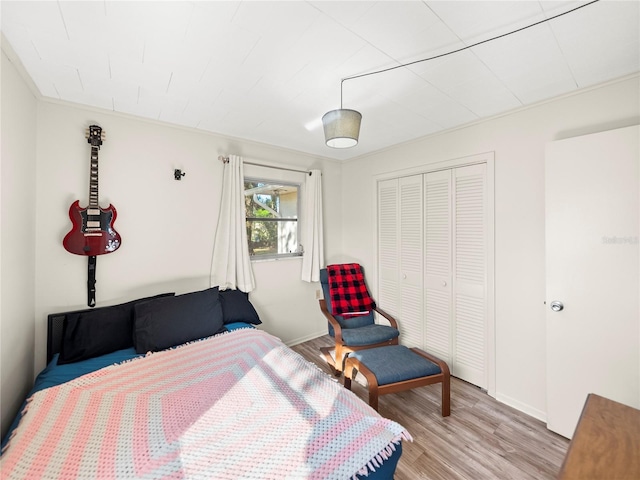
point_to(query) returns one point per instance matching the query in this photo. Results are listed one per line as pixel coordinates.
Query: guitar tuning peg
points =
(86, 133)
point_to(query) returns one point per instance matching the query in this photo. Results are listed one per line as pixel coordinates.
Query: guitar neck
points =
(93, 178)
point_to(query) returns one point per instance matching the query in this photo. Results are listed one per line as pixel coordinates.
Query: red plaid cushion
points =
(347, 289)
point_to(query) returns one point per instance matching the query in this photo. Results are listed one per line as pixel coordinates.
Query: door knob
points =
(557, 306)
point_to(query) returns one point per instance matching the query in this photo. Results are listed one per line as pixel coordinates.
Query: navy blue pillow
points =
(236, 307)
(166, 322)
(95, 332)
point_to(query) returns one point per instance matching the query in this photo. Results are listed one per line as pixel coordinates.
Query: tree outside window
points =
(272, 218)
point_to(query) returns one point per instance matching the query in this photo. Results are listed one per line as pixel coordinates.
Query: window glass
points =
(272, 218)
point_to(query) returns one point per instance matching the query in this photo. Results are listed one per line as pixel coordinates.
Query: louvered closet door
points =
(438, 264)
(432, 264)
(469, 273)
(411, 317)
(388, 265)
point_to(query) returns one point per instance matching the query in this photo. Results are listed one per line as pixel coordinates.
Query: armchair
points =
(353, 332)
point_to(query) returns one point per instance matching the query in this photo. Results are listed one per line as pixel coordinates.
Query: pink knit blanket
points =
(237, 405)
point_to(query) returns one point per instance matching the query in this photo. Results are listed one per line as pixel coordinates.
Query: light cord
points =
(461, 49)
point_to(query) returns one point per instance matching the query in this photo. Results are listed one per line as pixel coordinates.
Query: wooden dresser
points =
(606, 443)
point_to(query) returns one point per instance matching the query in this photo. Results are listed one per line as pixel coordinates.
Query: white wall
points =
(17, 240)
(167, 226)
(518, 140)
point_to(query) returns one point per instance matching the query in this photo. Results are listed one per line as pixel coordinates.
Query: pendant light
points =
(342, 126)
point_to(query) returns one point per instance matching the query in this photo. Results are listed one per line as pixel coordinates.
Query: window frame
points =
(275, 256)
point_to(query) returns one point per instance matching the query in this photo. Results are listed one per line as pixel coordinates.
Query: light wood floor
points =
(482, 439)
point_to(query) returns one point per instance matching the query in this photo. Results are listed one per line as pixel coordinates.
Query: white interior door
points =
(592, 216)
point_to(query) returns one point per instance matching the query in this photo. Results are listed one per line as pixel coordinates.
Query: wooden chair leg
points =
(373, 399)
(326, 352)
(446, 395)
(372, 381)
(347, 380)
(340, 360)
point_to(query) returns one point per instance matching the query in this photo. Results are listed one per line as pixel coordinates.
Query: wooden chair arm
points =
(391, 320)
(337, 329)
(441, 363)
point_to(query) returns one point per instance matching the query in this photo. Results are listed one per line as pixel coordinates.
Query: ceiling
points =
(267, 71)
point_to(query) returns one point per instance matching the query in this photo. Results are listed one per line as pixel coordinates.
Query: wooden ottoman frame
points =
(353, 366)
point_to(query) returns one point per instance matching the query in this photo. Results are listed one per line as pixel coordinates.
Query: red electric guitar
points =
(92, 232)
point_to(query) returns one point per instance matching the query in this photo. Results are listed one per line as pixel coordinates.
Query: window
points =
(272, 218)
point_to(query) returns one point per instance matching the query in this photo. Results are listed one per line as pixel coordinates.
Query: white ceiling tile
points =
(384, 87)
(101, 86)
(148, 104)
(484, 96)
(21, 41)
(126, 72)
(229, 56)
(285, 20)
(465, 78)
(404, 30)
(84, 21)
(267, 71)
(344, 13)
(45, 85)
(152, 19)
(185, 81)
(172, 109)
(555, 7)
(529, 63)
(601, 41)
(72, 54)
(95, 98)
(441, 109)
(66, 80)
(38, 16)
(325, 45)
(474, 21)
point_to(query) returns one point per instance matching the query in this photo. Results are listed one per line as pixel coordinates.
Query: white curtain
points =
(313, 257)
(231, 264)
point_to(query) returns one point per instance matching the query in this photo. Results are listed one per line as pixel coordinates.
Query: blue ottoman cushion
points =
(395, 363)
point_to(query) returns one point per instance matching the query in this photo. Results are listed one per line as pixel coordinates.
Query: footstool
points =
(395, 368)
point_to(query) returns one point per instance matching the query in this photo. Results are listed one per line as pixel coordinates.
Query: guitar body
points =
(92, 232)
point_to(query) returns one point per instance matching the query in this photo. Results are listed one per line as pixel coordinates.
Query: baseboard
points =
(306, 338)
(523, 407)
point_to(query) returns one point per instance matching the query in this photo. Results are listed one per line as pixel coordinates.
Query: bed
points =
(186, 386)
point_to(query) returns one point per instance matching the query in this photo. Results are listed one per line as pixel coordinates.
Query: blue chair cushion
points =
(353, 322)
(395, 363)
(368, 335)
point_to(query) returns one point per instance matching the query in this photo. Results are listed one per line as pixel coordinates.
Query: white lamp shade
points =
(341, 128)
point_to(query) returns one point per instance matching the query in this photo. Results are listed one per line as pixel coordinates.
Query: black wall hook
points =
(178, 174)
